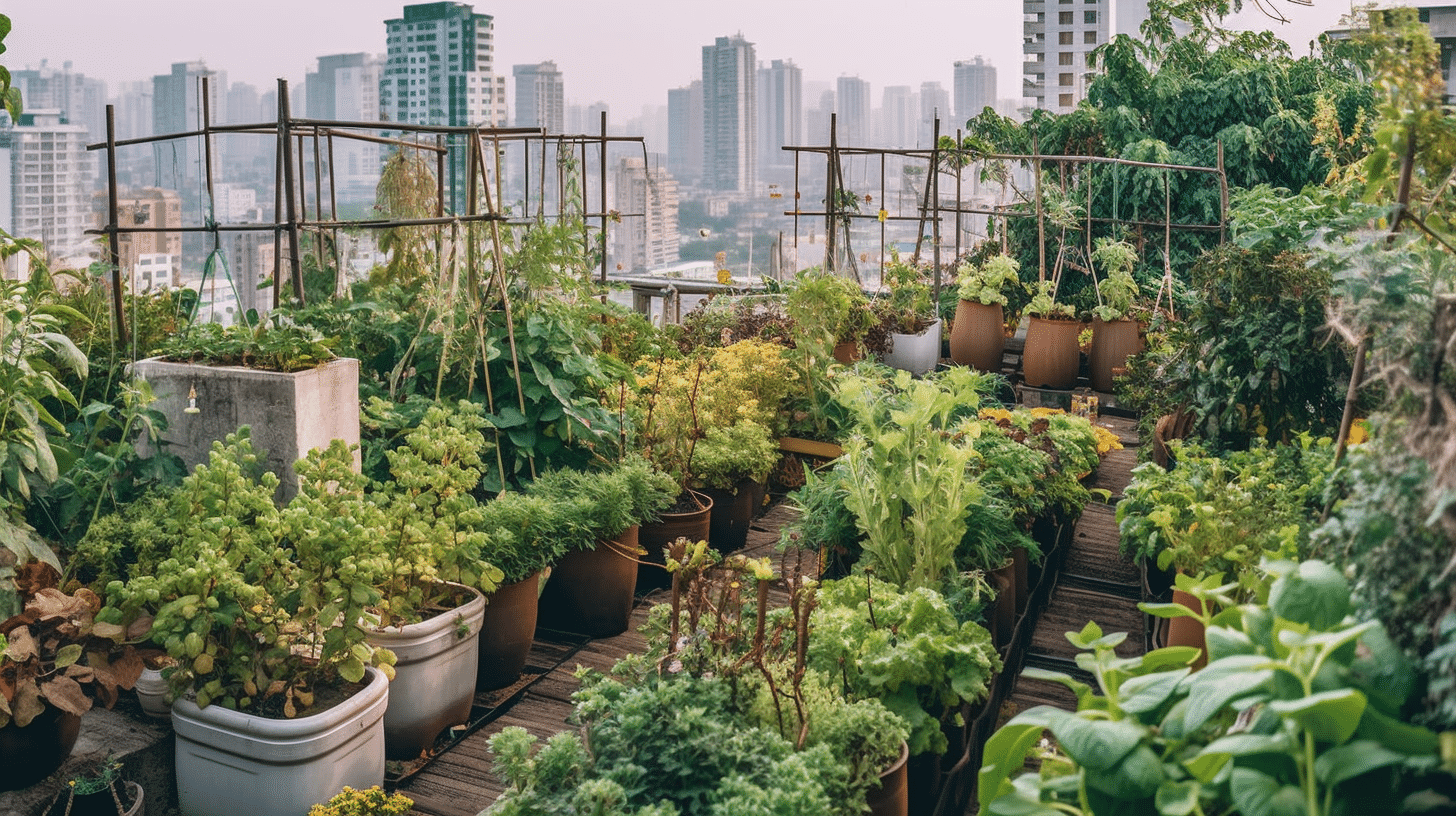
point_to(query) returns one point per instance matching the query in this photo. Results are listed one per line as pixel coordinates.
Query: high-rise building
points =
(934, 104)
(1058, 38)
(51, 175)
(975, 88)
(780, 112)
(80, 100)
(439, 70)
(177, 108)
(345, 87)
(685, 132)
(899, 122)
(730, 111)
(540, 97)
(852, 103)
(648, 241)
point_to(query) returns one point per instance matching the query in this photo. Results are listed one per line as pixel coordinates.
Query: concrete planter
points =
(235, 764)
(434, 678)
(290, 414)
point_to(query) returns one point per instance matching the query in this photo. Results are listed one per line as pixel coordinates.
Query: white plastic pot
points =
(235, 764)
(434, 676)
(151, 691)
(915, 353)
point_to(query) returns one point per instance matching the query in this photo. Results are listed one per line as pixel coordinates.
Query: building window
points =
(1064, 80)
(1089, 37)
(1089, 17)
(1064, 18)
(1065, 100)
(1064, 58)
(1064, 38)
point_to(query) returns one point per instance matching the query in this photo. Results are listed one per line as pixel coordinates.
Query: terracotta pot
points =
(694, 526)
(848, 352)
(1051, 358)
(1188, 631)
(978, 337)
(759, 491)
(892, 797)
(1022, 563)
(732, 513)
(30, 754)
(1112, 344)
(590, 591)
(507, 633)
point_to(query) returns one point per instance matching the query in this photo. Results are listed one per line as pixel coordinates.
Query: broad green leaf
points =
(1352, 759)
(1244, 744)
(1167, 610)
(1315, 593)
(1140, 695)
(1137, 776)
(1331, 716)
(1205, 766)
(1176, 798)
(1220, 682)
(1170, 657)
(1097, 745)
(1258, 794)
(1399, 736)
(1224, 642)
(68, 654)
(1006, 751)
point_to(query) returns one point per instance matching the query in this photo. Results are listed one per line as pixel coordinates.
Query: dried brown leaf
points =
(67, 695)
(27, 704)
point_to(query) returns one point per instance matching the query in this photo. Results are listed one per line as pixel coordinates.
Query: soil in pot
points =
(507, 633)
(688, 520)
(848, 352)
(30, 754)
(590, 591)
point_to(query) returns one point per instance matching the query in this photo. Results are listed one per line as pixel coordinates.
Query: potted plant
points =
(1115, 334)
(101, 793)
(591, 587)
(908, 334)
(978, 336)
(279, 695)
(830, 312)
(281, 380)
(56, 659)
(1051, 357)
(731, 465)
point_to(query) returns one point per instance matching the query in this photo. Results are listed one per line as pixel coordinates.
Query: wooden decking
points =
(1087, 578)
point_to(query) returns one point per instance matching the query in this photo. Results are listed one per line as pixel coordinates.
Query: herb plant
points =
(988, 282)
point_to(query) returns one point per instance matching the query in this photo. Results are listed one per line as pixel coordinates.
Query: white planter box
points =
(915, 353)
(235, 764)
(290, 414)
(434, 676)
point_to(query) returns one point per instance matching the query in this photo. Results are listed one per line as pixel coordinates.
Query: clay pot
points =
(1188, 631)
(508, 632)
(1051, 358)
(590, 591)
(978, 337)
(848, 352)
(693, 525)
(892, 797)
(1112, 344)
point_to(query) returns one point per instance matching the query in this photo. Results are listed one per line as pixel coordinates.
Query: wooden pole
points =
(930, 172)
(831, 203)
(295, 267)
(1040, 213)
(113, 240)
(602, 197)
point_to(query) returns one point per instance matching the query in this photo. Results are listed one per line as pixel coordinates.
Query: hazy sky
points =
(625, 53)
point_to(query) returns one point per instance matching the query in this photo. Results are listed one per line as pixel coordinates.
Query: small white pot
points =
(151, 691)
(915, 353)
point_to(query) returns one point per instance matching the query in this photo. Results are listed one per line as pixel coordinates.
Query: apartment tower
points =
(730, 113)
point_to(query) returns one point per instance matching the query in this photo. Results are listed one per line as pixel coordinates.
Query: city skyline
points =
(628, 59)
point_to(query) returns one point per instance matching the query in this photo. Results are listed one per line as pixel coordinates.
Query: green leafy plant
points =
(597, 505)
(1297, 712)
(904, 648)
(1117, 294)
(727, 456)
(1043, 303)
(827, 308)
(271, 345)
(989, 282)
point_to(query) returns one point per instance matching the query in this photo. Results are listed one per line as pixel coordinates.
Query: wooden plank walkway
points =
(1093, 580)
